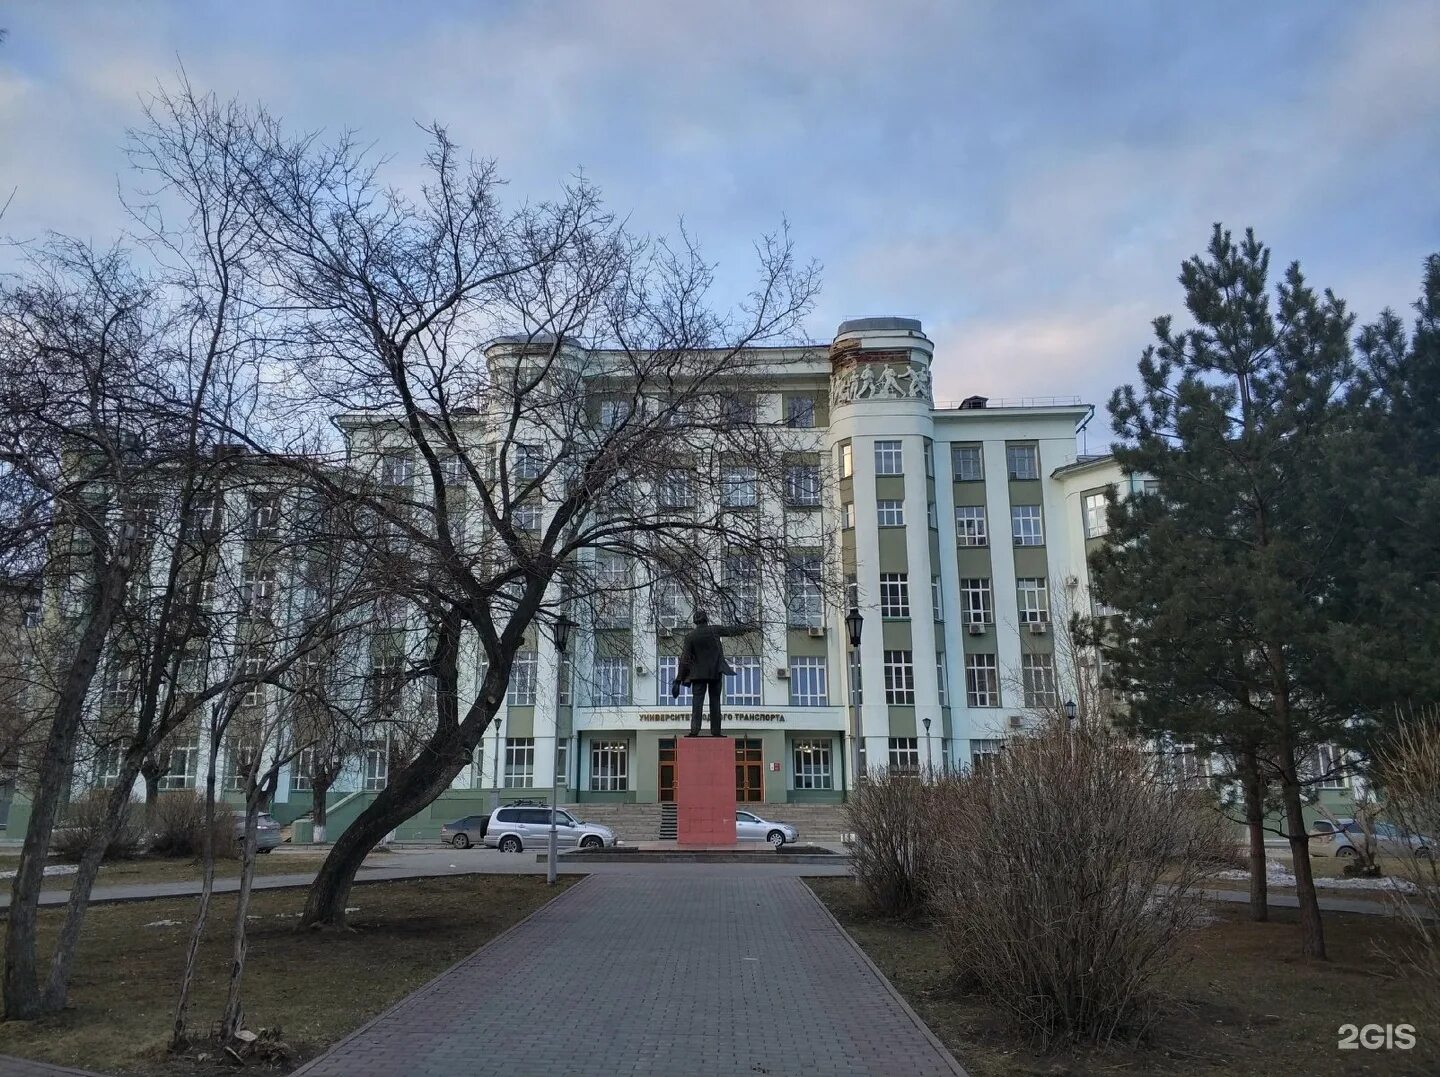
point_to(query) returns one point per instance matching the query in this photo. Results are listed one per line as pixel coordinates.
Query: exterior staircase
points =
(669, 822)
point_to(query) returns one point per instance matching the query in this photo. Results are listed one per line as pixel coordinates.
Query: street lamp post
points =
(562, 641)
(1070, 710)
(853, 625)
(929, 759)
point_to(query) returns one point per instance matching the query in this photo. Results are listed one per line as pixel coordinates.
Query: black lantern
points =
(562, 632)
(1069, 705)
(853, 623)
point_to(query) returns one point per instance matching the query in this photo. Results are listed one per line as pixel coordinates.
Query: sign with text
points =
(728, 718)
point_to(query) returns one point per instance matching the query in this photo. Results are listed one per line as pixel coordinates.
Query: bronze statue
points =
(703, 668)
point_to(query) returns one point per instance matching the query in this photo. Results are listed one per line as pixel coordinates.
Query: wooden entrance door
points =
(667, 769)
(749, 770)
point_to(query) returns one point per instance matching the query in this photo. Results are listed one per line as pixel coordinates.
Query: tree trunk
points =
(320, 792)
(232, 1018)
(152, 793)
(207, 888)
(407, 794)
(1312, 930)
(1255, 828)
(23, 999)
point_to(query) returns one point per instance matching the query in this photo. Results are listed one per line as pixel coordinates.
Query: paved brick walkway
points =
(662, 973)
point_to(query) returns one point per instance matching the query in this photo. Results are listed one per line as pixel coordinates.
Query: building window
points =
(116, 691)
(890, 513)
(180, 774)
(1022, 461)
(396, 469)
(740, 593)
(894, 594)
(800, 412)
(975, 601)
(609, 766)
(257, 591)
(612, 682)
(452, 469)
(982, 681)
(904, 755)
(929, 459)
(983, 754)
(613, 413)
(668, 670)
(802, 485)
(739, 409)
(847, 460)
(937, 605)
(1327, 766)
(1096, 522)
(528, 517)
(302, 771)
(899, 678)
(809, 685)
(803, 596)
(522, 679)
(251, 671)
(562, 762)
(857, 687)
(848, 510)
(528, 464)
(737, 488)
(812, 764)
(1033, 600)
(942, 682)
(519, 772)
(1025, 525)
(968, 463)
(889, 459)
(852, 592)
(1037, 676)
(970, 525)
(565, 691)
(612, 602)
(932, 516)
(742, 688)
(243, 761)
(107, 766)
(264, 515)
(677, 489)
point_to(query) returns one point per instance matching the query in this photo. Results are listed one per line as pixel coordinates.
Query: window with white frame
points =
(668, 669)
(904, 755)
(889, 459)
(374, 766)
(852, 592)
(1037, 679)
(242, 760)
(894, 594)
(562, 762)
(740, 583)
(529, 516)
(519, 771)
(452, 469)
(737, 487)
(565, 691)
(609, 766)
(929, 453)
(181, 772)
(396, 469)
(848, 512)
(800, 412)
(528, 463)
(738, 409)
(847, 460)
(975, 600)
(251, 671)
(264, 515)
(1022, 461)
(1025, 525)
(613, 413)
(803, 596)
(967, 462)
(982, 681)
(1186, 767)
(942, 680)
(970, 526)
(1328, 767)
(983, 754)
(932, 515)
(809, 685)
(612, 682)
(742, 688)
(302, 771)
(677, 489)
(1032, 599)
(900, 678)
(613, 605)
(116, 690)
(107, 766)
(1096, 521)
(937, 603)
(857, 687)
(890, 513)
(812, 768)
(521, 692)
(802, 485)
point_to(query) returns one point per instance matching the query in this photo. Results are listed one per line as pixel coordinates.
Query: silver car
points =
(267, 831)
(463, 833)
(513, 829)
(750, 827)
(1390, 840)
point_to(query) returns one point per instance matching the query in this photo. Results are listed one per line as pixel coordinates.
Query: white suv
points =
(512, 829)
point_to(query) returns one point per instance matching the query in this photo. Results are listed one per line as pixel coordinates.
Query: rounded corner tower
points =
(880, 359)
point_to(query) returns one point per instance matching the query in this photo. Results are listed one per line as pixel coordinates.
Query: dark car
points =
(463, 833)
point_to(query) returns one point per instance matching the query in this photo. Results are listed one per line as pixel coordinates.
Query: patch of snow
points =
(353, 908)
(164, 923)
(1277, 874)
(50, 869)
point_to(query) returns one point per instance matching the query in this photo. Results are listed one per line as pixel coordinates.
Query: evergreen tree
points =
(1221, 575)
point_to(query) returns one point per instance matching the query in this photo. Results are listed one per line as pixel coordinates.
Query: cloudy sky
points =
(1023, 176)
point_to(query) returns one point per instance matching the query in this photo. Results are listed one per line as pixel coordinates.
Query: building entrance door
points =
(749, 769)
(667, 770)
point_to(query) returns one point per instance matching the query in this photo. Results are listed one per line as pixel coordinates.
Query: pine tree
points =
(1221, 575)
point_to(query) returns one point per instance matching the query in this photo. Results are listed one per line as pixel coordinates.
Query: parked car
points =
(267, 831)
(1390, 840)
(463, 833)
(750, 827)
(513, 828)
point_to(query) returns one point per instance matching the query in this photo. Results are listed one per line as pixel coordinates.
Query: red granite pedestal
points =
(705, 790)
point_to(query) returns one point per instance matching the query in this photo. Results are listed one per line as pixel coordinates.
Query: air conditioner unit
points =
(976, 628)
(817, 632)
(1017, 721)
(1038, 628)
(669, 623)
(782, 673)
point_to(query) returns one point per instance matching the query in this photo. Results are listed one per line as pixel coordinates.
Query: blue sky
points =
(1024, 177)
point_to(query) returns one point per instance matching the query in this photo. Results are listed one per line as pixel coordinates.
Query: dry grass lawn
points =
(1244, 1002)
(315, 987)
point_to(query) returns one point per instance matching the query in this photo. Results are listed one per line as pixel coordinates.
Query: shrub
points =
(1047, 885)
(1407, 768)
(177, 826)
(82, 823)
(889, 815)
